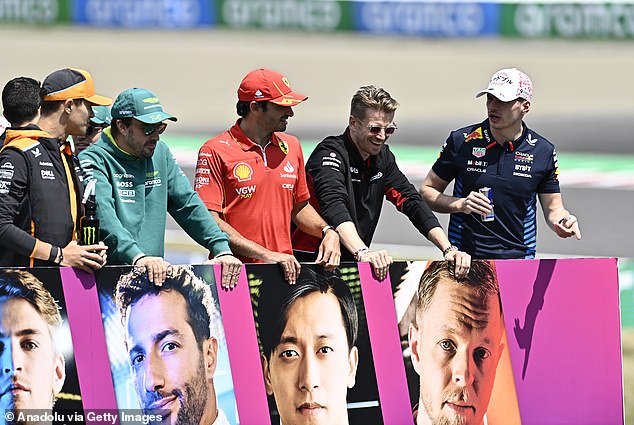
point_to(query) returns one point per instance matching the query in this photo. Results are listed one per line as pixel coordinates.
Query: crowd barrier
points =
(561, 361)
(550, 19)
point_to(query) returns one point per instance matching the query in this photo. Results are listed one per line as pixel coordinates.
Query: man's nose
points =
(462, 368)
(309, 374)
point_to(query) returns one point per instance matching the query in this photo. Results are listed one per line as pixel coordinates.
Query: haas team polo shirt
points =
(253, 188)
(516, 172)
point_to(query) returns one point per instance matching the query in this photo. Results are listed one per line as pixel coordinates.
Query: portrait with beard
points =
(172, 335)
(456, 341)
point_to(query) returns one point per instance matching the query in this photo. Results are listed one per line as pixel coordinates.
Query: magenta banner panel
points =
(562, 321)
(244, 354)
(89, 342)
(388, 359)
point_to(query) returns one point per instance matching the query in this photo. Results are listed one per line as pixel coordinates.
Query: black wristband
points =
(449, 249)
(52, 256)
(137, 260)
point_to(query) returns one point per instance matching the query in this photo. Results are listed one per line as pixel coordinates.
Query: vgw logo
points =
(246, 191)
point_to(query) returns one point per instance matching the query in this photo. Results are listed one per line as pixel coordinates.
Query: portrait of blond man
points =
(456, 343)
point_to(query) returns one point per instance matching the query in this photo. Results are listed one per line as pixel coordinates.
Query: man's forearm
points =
(240, 245)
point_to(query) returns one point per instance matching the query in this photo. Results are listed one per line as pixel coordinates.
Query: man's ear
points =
(353, 362)
(267, 375)
(526, 106)
(68, 106)
(412, 337)
(59, 373)
(210, 354)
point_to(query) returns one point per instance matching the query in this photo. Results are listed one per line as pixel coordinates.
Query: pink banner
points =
(388, 359)
(562, 321)
(89, 341)
(244, 354)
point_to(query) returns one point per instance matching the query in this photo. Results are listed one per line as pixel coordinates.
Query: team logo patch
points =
(530, 140)
(476, 134)
(242, 171)
(284, 147)
(479, 152)
(289, 167)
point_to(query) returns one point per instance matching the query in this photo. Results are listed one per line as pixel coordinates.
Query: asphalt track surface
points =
(583, 100)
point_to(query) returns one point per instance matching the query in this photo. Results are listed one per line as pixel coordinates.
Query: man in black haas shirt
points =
(350, 175)
(515, 162)
(40, 185)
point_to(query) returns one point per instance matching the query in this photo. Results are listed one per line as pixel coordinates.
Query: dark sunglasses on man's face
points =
(376, 129)
(149, 129)
(94, 129)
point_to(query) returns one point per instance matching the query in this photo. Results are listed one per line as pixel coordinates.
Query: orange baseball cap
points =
(264, 84)
(72, 83)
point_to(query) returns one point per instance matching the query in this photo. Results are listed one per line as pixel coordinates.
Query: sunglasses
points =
(376, 129)
(150, 129)
(94, 129)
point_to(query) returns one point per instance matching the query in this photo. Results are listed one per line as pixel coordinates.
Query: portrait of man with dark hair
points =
(171, 336)
(310, 352)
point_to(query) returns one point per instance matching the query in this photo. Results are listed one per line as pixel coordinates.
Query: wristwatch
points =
(360, 252)
(326, 228)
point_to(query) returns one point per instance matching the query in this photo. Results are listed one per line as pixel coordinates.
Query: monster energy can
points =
(486, 191)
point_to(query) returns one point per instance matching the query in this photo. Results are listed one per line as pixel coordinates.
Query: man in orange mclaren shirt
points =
(253, 181)
(39, 179)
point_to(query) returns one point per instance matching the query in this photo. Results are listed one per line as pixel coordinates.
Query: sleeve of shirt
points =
(400, 192)
(445, 166)
(209, 178)
(550, 183)
(328, 167)
(301, 192)
(191, 213)
(115, 235)
(13, 188)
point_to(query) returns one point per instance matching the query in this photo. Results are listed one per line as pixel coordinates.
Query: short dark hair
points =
(21, 100)
(114, 130)
(371, 98)
(274, 302)
(203, 316)
(242, 107)
(481, 277)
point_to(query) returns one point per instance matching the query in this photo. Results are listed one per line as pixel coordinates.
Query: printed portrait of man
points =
(172, 345)
(32, 369)
(456, 343)
(308, 334)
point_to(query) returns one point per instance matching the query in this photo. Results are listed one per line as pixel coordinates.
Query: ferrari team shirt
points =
(253, 188)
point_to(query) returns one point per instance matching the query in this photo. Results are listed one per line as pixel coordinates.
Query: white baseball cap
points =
(508, 84)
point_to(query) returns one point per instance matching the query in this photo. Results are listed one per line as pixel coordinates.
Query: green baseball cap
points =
(101, 115)
(140, 104)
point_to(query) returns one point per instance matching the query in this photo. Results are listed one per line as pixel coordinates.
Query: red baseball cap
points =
(264, 84)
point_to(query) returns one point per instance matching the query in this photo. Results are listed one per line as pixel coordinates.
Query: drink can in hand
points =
(486, 191)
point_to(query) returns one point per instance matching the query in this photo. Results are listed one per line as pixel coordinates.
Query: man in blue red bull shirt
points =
(515, 162)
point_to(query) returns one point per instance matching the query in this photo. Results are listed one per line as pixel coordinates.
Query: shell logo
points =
(242, 171)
